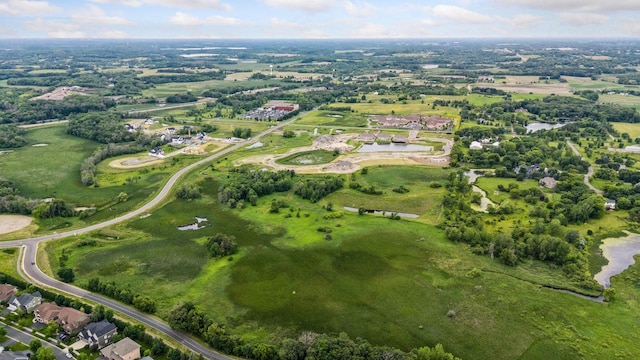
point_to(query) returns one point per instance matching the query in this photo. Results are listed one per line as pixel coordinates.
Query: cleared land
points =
(11, 223)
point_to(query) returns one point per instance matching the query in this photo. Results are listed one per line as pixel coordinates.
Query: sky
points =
(319, 19)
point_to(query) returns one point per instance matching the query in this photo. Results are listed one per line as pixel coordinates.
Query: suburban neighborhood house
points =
(7, 291)
(70, 319)
(25, 302)
(14, 355)
(98, 334)
(125, 349)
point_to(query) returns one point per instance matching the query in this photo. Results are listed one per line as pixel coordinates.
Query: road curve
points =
(589, 171)
(30, 270)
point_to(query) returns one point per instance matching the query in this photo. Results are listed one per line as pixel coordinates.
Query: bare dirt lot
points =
(61, 93)
(135, 162)
(528, 84)
(11, 223)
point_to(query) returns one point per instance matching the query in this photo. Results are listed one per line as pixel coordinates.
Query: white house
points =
(475, 145)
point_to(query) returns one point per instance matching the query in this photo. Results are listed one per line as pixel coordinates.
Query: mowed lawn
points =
(50, 170)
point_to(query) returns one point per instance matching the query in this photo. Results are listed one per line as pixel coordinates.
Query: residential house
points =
(610, 204)
(25, 302)
(14, 355)
(7, 291)
(475, 145)
(548, 182)
(70, 319)
(125, 349)
(129, 127)
(171, 130)
(399, 139)
(367, 138)
(156, 152)
(98, 334)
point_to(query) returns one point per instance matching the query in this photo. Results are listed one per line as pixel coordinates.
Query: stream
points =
(473, 175)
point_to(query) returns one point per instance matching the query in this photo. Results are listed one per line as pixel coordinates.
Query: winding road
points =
(27, 266)
(589, 171)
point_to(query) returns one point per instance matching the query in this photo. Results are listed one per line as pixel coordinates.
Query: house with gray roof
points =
(26, 302)
(98, 334)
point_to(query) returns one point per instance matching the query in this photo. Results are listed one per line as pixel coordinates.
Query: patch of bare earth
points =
(130, 163)
(11, 223)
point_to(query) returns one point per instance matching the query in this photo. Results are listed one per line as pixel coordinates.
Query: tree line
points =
(308, 346)
(11, 136)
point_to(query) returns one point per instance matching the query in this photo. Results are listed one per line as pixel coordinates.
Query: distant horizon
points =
(478, 39)
(317, 19)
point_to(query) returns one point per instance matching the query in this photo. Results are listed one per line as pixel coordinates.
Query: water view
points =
(620, 253)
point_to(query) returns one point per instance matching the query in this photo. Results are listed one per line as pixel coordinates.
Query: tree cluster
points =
(189, 192)
(221, 245)
(316, 188)
(11, 136)
(181, 98)
(247, 185)
(12, 202)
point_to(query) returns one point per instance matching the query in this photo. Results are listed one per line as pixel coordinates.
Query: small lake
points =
(537, 126)
(375, 147)
(619, 252)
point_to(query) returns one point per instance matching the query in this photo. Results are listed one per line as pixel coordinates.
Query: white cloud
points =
(361, 9)
(458, 14)
(113, 34)
(293, 29)
(96, 16)
(304, 5)
(522, 21)
(578, 5)
(582, 19)
(630, 27)
(183, 4)
(27, 8)
(55, 28)
(182, 19)
(371, 30)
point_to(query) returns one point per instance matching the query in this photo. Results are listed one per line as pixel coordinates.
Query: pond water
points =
(619, 252)
(369, 148)
(537, 126)
(382, 212)
(195, 225)
(256, 145)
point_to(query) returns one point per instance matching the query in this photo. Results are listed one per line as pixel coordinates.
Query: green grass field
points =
(400, 276)
(490, 186)
(632, 129)
(400, 108)
(312, 157)
(57, 170)
(334, 118)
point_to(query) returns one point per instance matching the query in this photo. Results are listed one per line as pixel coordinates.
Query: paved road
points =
(589, 171)
(25, 338)
(28, 267)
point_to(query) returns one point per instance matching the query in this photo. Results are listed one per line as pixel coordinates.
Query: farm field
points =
(632, 129)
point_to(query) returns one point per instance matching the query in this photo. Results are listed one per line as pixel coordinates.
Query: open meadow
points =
(374, 273)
